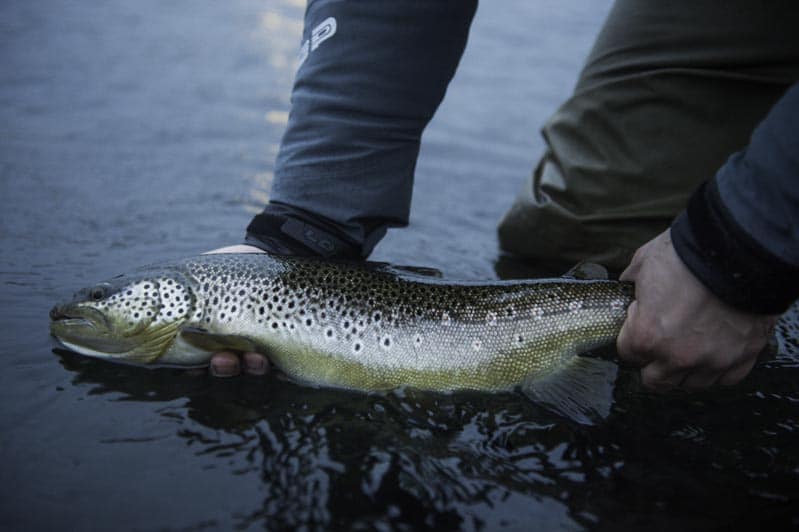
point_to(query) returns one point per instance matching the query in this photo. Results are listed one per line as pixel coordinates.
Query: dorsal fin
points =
(401, 270)
(587, 271)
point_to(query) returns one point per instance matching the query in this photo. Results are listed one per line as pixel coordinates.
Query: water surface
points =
(136, 132)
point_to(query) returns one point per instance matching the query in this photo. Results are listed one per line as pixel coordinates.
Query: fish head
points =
(130, 318)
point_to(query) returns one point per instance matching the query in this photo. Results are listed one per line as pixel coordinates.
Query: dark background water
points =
(135, 132)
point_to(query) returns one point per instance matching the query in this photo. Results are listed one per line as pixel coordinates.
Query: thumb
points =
(631, 271)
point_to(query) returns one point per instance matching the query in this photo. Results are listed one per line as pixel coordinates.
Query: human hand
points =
(680, 333)
(227, 363)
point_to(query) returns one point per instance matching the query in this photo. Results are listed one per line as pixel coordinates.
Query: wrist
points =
(286, 230)
(728, 262)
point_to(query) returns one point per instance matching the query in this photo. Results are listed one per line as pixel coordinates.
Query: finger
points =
(625, 343)
(225, 364)
(737, 373)
(660, 378)
(255, 363)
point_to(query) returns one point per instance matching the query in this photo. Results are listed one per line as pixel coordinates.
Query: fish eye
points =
(97, 293)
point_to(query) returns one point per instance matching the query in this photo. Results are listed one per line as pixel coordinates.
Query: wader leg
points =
(669, 91)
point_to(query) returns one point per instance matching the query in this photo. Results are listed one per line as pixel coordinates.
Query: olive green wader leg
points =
(669, 91)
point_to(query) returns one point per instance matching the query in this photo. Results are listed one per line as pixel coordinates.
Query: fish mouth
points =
(84, 327)
(74, 322)
(67, 316)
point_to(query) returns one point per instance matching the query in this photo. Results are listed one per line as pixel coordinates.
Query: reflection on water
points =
(417, 460)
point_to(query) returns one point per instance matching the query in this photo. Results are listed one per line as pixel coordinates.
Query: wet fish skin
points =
(360, 326)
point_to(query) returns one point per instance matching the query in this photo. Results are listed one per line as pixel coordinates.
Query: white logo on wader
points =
(322, 32)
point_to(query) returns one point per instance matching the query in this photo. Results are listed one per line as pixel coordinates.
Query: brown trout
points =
(361, 326)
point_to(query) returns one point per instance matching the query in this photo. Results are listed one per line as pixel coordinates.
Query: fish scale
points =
(364, 327)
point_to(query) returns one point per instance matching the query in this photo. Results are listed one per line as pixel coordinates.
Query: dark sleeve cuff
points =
(287, 230)
(725, 258)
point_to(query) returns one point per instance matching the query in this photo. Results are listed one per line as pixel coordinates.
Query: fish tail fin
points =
(581, 391)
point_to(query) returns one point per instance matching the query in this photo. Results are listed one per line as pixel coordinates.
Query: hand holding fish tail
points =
(680, 333)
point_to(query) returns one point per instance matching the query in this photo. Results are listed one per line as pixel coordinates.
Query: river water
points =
(135, 132)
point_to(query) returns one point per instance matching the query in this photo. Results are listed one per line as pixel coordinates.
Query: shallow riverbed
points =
(135, 132)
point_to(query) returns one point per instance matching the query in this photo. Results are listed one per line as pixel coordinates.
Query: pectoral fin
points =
(581, 391)
(208, 341)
